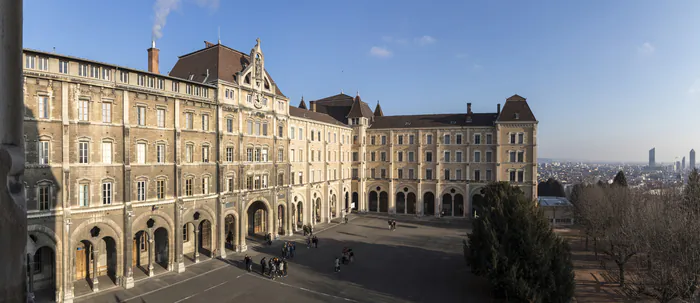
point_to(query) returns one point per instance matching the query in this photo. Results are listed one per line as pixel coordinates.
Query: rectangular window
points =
(106, 74)
(29, 61)
(477, 139)
(489, 139)
(280, 131)
(383, 140)
(429, 139)
(249, 99)
(43, 152)
(521, 176)
(264, 129)
(291, 155)
(488, 175)
(428, 174)
(107, 152)
(477, 156)
(447, 174)
(160, 189)
(458, 139)
(83, 106)
(95, 72)
(372, 173)
(176, 87)
(229, 184)
(249, 127)
(83, 195)
(63, 67)
(411, 157)
(249, 154)
(280, 155)
(447, 156)
(44, 197)
(489, 157)
(410, 139)
(141, 153)
(428, 156)
(205, 185)
(411, 174)
(141, 191)
(264, 155)
(382, 156)
(292, 131)
(161, 84)
(477, 175)
(229, 125)
(189, 153)
(256, 154)
(257, 182)
(83, 70)
(257, 128)
(106, 112)
(151, 82)
(188, 187)
(301, 134)
(355, 173)
(446, 140)
(205, 153)
(371, 156)
(372, 140)
(512, 139)
(458, 174)
(383, 173)
(511, 176)
(400, 156)
(458, 156)
(160, 153)
(400, 139)
(124, 77)
(43, 107)
(400, 173)
(185, 234)
(188, 89)
(205, 122)
(521, 156)
(141, 115)
(43, 63)
(313, 135)
(355, 156)
(229, 154)
(249, 182)
(189, 121)
(160, 115)
(107, 193)
(83, 152)
(521, 138)
(511, 155)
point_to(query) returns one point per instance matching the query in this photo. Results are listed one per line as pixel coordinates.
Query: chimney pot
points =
(469, 108)
(153, 58)
(498, 109)
(313, 105)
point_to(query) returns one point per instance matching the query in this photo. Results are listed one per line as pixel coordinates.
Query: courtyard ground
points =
(421, 261)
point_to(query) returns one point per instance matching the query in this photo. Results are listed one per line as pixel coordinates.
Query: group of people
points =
(312, 241)
(347, 257)
(274, 267)
(392, 224)
(288, 250)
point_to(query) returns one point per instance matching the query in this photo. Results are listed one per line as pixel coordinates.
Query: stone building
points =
(130, 173)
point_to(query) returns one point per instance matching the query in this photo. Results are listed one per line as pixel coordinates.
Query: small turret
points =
(302, 104)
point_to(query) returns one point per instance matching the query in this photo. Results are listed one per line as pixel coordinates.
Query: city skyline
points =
(562, 65)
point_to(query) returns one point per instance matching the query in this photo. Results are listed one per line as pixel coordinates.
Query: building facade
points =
(131, 173)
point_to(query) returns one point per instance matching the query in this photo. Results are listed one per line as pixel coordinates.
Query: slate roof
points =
(307, 114)
(302, 104)
(221, 61)
(516, 105)
(436, 120)
(378, 111)
(339, 107)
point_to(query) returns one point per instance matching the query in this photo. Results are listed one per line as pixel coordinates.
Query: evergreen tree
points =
(691, 192)
(620, 179)
(512, 244)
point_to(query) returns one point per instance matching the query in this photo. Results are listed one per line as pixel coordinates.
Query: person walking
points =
(294, 248)
(389, 222)
(282, 268)
(286, 267)
(263, 264)
(315, 242)
(337, 264)
(273, 271)
(352, 256)
(248, 263)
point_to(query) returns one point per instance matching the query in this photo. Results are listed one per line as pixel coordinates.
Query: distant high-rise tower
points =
(683, 164)
(692, 159)
(652, 157)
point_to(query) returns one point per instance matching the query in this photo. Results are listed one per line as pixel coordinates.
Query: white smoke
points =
(162, 9)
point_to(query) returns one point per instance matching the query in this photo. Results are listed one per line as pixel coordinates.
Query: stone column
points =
(69, 264)
(128, 280)
(151, 254)
(30, 277)
(177, 239)
(221, 224)
(95, 256)
(196, 243)
(13, 213)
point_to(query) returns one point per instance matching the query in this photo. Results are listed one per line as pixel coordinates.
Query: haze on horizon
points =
(607, 80)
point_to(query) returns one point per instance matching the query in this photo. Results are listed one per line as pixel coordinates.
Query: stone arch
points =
(281, 220)
(141, 220)
(205, 212)
(400, 187)
(49, 233)
(79, 232)
(448, 190)
(374, 186)
(429, 202)
(270, 213)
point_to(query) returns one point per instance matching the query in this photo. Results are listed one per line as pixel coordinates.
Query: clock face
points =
(257, 102)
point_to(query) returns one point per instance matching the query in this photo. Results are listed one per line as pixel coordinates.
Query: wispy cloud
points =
(390, 39)
(380, 52)
(695, 88)
(646, 49)
(163, 8)
(425, 40)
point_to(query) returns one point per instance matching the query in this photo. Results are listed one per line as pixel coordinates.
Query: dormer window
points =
(191, 77)
(516, 116)
(469, 119)
(247, 79)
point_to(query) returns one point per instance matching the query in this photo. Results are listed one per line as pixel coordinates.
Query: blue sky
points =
(607, 80)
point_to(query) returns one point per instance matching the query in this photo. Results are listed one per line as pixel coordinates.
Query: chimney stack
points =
(153, 58)
(469, 108)
(313, 105)
(498, 109)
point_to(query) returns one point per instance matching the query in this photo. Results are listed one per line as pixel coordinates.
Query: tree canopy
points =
(512, 244)
(551, 187)
(620, 179)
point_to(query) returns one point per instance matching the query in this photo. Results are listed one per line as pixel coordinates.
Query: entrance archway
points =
(383, 202)
(140, 251)
(110, 268)
(429, 203)
(42, 273)
(373, 201)
(317, 209)
(83, 261)
(347, 202)
(280, 220)
(400, 203)
(205, 238)
(411, 203)
(333, 205)
(257, 219)
(447, 205)
(355, 201)
(459, 205)
(300, 214)
(162, 250)
(230, 232)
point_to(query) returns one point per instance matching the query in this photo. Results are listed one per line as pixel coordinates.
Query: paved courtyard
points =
(419, 262)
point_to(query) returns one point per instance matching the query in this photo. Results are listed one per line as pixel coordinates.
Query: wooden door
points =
(135, 255)
(206, 235)
(80, 262)
(258, 221)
